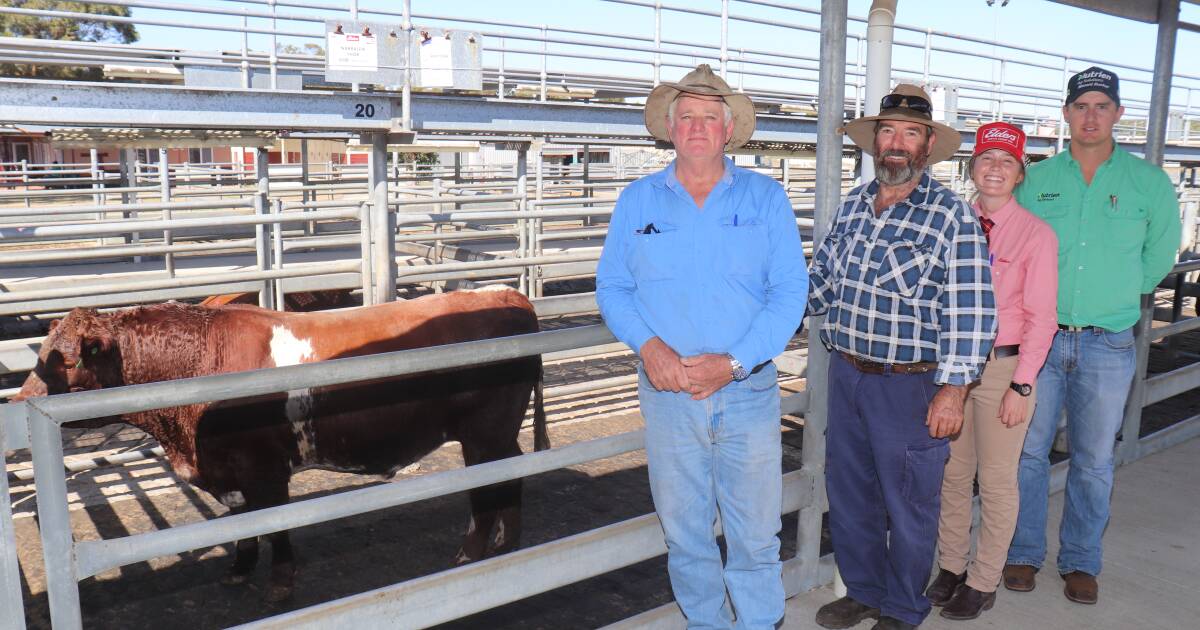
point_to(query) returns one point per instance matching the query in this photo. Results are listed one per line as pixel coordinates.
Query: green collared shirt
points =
(1117, 238)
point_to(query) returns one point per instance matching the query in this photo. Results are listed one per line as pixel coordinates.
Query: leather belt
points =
(871, 367)
(1076, 328)
(1001, 352)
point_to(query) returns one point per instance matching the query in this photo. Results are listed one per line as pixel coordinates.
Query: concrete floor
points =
(1151, 576)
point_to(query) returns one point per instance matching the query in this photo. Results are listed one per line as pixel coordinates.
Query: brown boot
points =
(968, 603)
(845, 613)
(942, 588)
(1019, 577)
(1081, 587)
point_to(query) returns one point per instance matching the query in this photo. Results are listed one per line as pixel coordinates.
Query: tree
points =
(310, 49)
(66, 29)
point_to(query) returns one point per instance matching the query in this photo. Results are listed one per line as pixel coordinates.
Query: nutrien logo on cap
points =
(1000, 134)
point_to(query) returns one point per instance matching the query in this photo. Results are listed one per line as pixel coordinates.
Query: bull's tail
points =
(541, 438)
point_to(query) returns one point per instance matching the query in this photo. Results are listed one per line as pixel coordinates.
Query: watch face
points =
(1023, 389)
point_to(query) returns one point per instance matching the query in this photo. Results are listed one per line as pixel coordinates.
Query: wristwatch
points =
(1024, 389)
(736, 371)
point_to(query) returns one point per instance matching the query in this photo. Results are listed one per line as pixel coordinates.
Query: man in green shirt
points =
(1117, 221)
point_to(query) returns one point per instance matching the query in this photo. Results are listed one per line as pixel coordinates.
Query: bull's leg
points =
(479, 529)
(508, 522)
(283, 568)
(245, 552)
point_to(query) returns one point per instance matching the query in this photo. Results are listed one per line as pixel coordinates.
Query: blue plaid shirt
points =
(912, 285)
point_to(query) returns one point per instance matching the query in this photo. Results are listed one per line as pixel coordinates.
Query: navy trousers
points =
(884, 479)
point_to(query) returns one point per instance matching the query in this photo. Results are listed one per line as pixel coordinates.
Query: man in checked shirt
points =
(904, 280)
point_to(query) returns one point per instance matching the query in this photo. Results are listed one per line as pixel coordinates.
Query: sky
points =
(1037, 25)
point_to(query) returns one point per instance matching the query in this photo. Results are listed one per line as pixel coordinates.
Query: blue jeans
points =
(883, 475)
(1089, 374)
(722, 453)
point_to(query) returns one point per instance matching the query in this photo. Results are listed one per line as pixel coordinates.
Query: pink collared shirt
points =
(1024, 257)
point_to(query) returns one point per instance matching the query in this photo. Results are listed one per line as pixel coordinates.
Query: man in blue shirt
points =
(903, 276)
(703, 276)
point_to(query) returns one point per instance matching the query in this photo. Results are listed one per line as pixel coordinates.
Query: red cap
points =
(1000, 135)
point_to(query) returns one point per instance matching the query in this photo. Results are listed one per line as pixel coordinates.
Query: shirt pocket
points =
(743, 248)
(838, 246)
(1127, 223)
(658, 255)
(902, 267)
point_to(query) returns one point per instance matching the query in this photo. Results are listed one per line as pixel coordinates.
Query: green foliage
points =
(310, 49)
(63, 28)
(425, 158)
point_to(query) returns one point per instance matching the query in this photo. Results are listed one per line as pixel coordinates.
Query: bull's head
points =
(80, 353)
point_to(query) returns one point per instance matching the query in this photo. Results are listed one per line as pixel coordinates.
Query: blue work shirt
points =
(726, 278)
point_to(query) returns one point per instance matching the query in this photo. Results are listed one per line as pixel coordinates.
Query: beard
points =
(891, 174)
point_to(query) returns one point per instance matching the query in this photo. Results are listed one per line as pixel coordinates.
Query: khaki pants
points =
(993, 450)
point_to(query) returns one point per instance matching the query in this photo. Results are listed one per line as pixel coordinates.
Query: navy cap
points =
(1094, 79)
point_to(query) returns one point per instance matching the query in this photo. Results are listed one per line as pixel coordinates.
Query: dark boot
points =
(1081, 587)
(1019, 577)
(942, 588)
(844, 613)
(968, 603)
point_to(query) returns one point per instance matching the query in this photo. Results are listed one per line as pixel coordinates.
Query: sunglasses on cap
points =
(915, 103)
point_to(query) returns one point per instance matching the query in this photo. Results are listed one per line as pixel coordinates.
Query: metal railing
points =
(541, 61)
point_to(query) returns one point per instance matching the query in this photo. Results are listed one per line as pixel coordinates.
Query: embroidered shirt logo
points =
(1048, 196)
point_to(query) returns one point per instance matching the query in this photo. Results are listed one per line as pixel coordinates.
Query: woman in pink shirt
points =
(1024, 257)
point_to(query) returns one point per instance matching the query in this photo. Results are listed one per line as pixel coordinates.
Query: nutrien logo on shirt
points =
(1000, 134)
(1048, 196)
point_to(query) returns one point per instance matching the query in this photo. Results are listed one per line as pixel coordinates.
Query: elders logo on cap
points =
(1000, 135)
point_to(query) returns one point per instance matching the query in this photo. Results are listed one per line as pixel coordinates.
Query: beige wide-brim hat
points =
(700, 81)
(946, 138)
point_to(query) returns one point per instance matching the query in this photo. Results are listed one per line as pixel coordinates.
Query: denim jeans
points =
(1089, 374)
(719, 454)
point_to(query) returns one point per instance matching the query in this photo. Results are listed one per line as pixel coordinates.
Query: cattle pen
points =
(141, 226)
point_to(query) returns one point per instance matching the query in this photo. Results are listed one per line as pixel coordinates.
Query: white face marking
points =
(287, 349)
(492, 287)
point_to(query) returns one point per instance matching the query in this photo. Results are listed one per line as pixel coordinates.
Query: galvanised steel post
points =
(523, 205)
(262, 245)
(274, 58)
(542, 88)
(657, 43)
(1156, 131)
(928, 54)
(12, 609)
(367, 269)
(128, 166)
(1160, 90)
(406, 88)
(245, 53)
(164, 193)
(535, 225)
(1062, 121)
(54, 520)
(305, 194)
(880, 33)
(277, 252)
(724, 37)
(830, 112)
(383, 222)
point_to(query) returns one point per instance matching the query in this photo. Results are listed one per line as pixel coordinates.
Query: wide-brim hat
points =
(704, 82)
(946, 138)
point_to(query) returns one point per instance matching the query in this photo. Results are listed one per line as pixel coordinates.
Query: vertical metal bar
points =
(523, 244)
(367, 271)
(1187, 116)
(1062, 121)
(306, 195)
(828, 190)
(406, 88)
(880, 34)
(535, 225)
(164, 193)
(657, 42)
(1131, 426)
(859, 78)
(785, 167)
(1160, 90)
(130, 180)
(542, 88)
(1000, 107)
(245, 53)
(500, 77)
(262, 245)
(97, 198)
(54, 520)
(277, 253)
(928, 52)
(12, 608)
(383, 222)
(724, 37)
(436, 255)
(587, 189)
(274, 47)
(25, 180)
